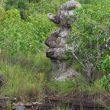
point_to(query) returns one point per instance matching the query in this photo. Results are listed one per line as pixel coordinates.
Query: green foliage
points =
(94, 2)
(18, 36)
(45, 6)
(2, 14)
(35, 63)
(90, 37)
(69, 57)
(20, 82)
(34, 6)
(2, 2)
(105, 64)
(30, 71)
(78, 85)
(105, 82)
(61, 87)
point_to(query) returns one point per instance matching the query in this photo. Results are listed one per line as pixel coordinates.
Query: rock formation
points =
(57, 42)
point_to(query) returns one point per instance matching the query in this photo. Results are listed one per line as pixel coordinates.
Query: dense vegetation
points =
(24, 26)
(91, 38)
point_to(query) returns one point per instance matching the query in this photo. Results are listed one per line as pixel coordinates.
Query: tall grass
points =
(24, 80)
(78, 85)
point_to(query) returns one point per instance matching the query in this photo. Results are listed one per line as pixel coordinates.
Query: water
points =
(20, 108)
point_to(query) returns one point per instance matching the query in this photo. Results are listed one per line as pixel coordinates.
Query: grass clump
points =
(79, 85)
(23, 82)
(61, 87)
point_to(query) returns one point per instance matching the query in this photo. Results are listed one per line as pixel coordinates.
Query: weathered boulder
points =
(53, 41)
(57, 42)
(64, 16)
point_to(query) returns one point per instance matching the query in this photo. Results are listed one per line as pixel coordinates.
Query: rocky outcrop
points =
(57, 42)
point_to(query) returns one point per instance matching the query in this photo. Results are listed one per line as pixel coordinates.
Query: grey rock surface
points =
(57, 42)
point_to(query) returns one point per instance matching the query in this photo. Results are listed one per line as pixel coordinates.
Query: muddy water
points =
(72, 108)
(21, 108)
(54, 104)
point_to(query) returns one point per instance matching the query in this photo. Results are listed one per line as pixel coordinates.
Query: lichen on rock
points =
(57, 42)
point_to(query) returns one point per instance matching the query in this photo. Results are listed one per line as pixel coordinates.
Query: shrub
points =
(2, 13)
(90, 37)
(39, 6)
(18, 36)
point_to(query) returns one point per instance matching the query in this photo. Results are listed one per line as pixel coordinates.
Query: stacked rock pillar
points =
(57, 42)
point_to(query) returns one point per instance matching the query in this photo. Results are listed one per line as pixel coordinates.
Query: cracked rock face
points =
(57, 42)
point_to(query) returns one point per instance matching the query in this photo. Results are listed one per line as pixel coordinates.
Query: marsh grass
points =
(79, 85)
(24, 79)
(27, 76)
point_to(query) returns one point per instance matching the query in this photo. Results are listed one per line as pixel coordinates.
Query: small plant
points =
(105, 64)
